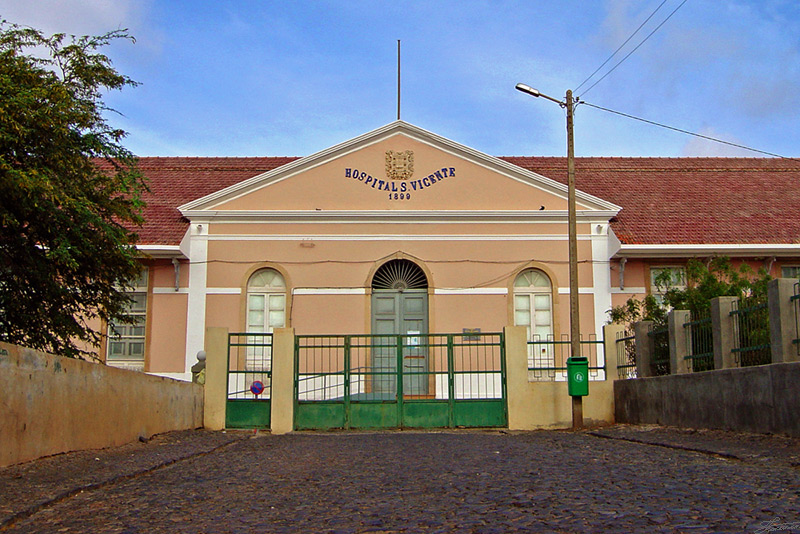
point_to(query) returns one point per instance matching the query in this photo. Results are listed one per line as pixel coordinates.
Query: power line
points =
(622, 45)
(636, 48)
(687, 132)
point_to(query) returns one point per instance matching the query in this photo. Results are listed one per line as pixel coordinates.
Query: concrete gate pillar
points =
(724, 332)
(516, 339)
(282, 415)
(782, 325)
(610, 334)
(644, 348)
(678, 345)
(215, 392)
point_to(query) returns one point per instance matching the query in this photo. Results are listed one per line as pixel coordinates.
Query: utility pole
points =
(574, 314)
(572, 220)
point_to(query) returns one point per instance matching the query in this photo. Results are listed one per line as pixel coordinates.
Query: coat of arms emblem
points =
(399, 165)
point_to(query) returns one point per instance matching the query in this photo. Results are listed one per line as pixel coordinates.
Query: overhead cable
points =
(635, 49)
(622, 45)
(687, 132)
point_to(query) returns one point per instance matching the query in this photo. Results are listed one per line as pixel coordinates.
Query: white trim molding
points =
(196, 304)
(601, 276)
(329, 291)
(472, 291)
(394, 216)
(170, 291)
(628, 291)
(392, 237)
(692, 249)
(581, 291)
(224, 290)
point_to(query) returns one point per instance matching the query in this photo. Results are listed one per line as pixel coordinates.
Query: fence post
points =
(678, 348)
(723, 332)
(516, 340)
(610, 333)
(215, 393)
(282, 408)
(782, 326)
(644, 348)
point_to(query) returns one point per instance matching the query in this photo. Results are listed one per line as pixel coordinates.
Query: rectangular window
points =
(126, 341)
(790, 271)
(664, 278)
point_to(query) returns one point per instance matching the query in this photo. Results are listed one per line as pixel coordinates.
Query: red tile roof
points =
(176, 181)
(664, 200)
(689, 200)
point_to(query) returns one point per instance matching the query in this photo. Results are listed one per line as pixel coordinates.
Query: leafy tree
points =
(718, 278)
(70, 192)
(704, 281)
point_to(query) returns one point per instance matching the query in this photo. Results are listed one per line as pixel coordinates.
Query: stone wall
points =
(52, 404)
(762, 399)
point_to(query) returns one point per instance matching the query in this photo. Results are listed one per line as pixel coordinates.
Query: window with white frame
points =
(126, 341)
(664, 278)
(266, 301)
(533, 309)
(266, 310)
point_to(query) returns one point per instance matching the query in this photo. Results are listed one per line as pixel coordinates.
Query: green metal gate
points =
(249, 380)
(344, 381)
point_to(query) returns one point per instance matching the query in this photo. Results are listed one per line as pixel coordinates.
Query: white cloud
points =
(699, 147)
(79, 17)
(618, 23)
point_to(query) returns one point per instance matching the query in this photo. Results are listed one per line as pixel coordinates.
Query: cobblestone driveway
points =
(413, 482)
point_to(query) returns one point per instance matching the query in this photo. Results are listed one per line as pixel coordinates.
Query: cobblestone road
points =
(620, 479)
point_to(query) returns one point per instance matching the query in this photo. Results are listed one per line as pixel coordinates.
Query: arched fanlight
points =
(532, 278)
(266, 279)
(399, 275)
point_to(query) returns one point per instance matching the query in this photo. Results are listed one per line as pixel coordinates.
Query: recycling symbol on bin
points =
(578, 377)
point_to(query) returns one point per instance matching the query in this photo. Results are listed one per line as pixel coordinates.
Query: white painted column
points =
(196, 307)
(601, 275)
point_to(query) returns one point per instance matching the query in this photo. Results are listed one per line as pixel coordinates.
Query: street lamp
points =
(574, 320)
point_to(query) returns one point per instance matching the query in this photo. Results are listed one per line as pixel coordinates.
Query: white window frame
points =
(259, 358)
(539, 356)
(127, 336)
(656, 270)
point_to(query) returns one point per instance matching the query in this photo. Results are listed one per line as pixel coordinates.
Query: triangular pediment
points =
(398, 167)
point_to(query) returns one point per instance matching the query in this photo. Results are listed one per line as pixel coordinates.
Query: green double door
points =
(400, 312)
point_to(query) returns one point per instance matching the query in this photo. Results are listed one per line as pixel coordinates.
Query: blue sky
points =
(290, 78)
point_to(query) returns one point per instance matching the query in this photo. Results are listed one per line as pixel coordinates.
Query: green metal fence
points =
(699, 342)
(626, 354)
(249, 380)
(660, 357)
(751, 332)
(795, 300)
(400, 381)
(547, 358)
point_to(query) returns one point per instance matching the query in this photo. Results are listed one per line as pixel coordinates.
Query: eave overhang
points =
(161, 251)
(703, 250)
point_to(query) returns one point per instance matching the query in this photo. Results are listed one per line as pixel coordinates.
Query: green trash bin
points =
(578, 376)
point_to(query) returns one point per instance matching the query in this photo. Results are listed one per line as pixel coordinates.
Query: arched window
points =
(533, 308)
(266, 301)
(266, 310)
